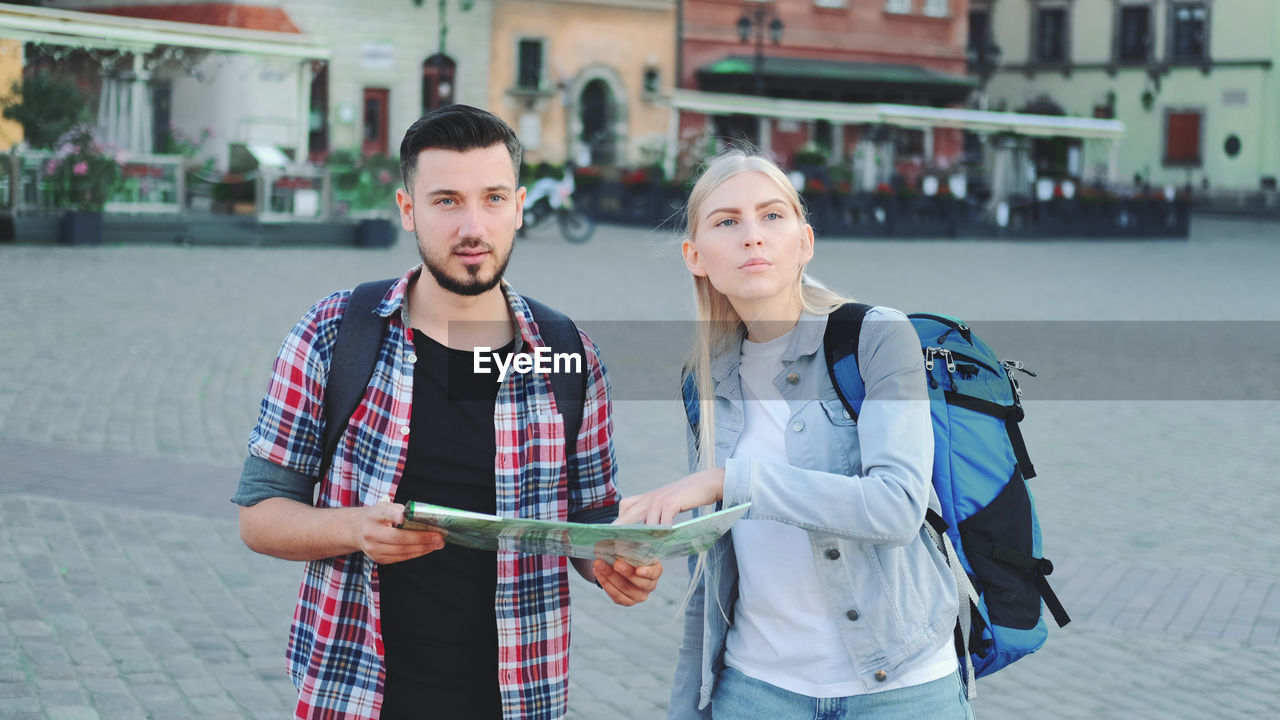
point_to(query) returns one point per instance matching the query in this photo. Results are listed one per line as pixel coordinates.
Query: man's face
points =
(464, 210)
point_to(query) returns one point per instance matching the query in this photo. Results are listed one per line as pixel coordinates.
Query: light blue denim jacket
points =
(860, 489)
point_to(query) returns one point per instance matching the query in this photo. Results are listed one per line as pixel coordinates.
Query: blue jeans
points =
(739, 697)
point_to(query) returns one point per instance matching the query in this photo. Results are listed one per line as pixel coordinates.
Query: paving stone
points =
(116, 532)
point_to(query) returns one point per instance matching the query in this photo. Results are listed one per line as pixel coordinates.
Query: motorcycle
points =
(550, 198)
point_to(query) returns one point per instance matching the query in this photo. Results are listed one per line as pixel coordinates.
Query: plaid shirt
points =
(335, 649)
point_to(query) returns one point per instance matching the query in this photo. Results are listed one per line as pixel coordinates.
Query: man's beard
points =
(471, 285)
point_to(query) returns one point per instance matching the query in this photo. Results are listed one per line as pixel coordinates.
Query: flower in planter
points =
(82, 175)
(814, 186)
(364, 184)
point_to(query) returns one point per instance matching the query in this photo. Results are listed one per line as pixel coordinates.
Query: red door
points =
(377, 102)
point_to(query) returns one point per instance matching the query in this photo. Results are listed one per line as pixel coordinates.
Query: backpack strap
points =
(689, 394)
(569, 388)
(969, 622)
(1011, 415)
(844, 327)
(355, 352)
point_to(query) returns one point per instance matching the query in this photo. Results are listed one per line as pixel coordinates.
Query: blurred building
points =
(373, 71)
(1195, 81)
(10, 72)
(851, 52)
(584, 80)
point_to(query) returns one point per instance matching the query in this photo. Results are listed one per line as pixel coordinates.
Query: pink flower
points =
(384, 177)
(80, 168)
(51, 167)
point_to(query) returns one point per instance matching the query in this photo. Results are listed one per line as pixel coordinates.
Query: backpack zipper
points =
(954, 325)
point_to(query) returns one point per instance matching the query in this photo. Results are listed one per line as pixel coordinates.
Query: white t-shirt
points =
(783, 631)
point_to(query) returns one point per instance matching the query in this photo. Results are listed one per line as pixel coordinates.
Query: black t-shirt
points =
(438, 624)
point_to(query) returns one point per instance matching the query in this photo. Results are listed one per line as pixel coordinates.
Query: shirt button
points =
(797, 426)
(881, 676)
(833, 554)
(852, 615)
(404, 430)
(413, 357)
(793, 379)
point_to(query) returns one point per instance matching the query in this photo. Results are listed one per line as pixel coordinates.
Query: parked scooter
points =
(549, 198)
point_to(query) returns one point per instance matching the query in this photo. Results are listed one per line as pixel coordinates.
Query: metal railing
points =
(158, 185)
(152, 184)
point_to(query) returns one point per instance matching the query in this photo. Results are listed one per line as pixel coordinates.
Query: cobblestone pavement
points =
(129, 377)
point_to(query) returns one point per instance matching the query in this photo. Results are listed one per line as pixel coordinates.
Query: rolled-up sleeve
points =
(284, 445)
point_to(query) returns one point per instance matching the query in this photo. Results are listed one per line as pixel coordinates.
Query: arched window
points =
(598, 114)
(437, 82)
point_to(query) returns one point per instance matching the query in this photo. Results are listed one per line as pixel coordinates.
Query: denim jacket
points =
(860, 489)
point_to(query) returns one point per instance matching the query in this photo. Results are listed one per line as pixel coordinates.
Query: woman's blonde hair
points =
(719, 326)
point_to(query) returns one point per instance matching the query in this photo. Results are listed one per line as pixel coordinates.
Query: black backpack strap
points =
(569, 388)
(844, 327)
(1010, 414)
(355, 352)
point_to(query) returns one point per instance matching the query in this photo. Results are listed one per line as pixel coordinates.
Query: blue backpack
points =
(980, 469)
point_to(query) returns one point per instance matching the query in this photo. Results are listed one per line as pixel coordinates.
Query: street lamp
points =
(755, 20)
(983, 59)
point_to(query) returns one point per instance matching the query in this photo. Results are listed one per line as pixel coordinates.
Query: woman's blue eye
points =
(724, 222)
(774, 216)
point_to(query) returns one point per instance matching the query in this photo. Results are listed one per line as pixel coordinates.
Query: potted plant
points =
(366, 188)
(81, 177)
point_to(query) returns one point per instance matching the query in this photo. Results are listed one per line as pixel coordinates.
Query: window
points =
(1182, 137)
(1135, 34)
(897, 6)
(829, 3)
(979, 32)
(1190, 22)
(437, 82)
(937, 8)
(529, 70)
(1050, 44)
(652, 81)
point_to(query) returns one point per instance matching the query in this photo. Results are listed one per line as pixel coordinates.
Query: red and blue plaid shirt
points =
(335, 649)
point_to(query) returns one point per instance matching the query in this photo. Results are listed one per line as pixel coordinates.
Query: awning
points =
(827, 78)
(910, 116)
(246, 17)
(94, 30)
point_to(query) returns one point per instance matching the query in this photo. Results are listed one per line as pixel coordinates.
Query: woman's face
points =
(749, 241)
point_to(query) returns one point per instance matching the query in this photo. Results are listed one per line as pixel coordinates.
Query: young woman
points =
(827, 600)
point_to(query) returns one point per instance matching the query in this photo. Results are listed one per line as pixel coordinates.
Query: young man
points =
(395, 623)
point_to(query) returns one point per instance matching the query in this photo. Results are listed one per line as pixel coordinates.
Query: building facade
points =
(389, 60)
(1194, 81)
(10, 72)
(909, 52)
(584, 80)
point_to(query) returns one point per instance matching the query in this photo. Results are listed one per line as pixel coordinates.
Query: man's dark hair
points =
(455, 127)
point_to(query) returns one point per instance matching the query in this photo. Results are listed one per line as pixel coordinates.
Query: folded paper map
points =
(637, 544)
